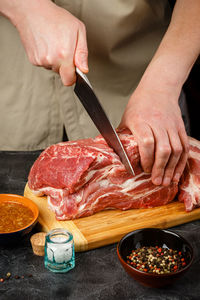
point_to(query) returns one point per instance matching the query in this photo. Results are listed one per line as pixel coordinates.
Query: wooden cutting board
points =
(109, 226)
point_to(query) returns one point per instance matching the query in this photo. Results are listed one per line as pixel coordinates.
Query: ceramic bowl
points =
(152, 237)
(15, 236)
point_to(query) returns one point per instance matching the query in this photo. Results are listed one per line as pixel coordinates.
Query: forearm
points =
(180, 45)
(16, 9)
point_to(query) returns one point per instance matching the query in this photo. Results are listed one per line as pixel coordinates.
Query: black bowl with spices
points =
(155, 257)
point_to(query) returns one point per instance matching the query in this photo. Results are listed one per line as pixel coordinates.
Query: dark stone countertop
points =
(98, 273)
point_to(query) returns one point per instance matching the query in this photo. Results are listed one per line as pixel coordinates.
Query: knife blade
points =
(89, 100)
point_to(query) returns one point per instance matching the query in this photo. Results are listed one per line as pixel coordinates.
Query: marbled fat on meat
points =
(189, 188)
(83, 177)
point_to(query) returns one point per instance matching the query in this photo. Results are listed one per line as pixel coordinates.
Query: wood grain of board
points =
(109, 226)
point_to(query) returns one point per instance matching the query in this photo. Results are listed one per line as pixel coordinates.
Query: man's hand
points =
(152, 113)
(52, 37)
(154, 117)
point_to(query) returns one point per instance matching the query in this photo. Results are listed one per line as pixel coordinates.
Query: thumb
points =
(122, 124)
(81, 52)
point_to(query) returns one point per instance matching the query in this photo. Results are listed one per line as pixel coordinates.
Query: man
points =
(118, 37)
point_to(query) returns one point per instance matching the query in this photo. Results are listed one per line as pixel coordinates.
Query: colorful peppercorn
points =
(8, 276)
(156, 260)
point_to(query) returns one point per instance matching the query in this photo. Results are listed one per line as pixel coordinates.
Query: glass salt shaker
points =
(59, 251)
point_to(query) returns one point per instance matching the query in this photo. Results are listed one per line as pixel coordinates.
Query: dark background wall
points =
(192, 91)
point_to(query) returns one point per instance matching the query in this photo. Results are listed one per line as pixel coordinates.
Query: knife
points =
(86, 95)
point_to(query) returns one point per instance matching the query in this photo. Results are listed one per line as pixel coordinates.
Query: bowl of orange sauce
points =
(18, 216)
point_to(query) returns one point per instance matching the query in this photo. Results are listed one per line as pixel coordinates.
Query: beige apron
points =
(122, 37)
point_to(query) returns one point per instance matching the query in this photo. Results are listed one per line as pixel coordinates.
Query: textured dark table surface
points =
(98, 273)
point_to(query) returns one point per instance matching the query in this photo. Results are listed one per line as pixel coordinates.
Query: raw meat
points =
(190, 181)
(86, 176)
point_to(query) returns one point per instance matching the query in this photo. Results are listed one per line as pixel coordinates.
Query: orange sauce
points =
(14, 216)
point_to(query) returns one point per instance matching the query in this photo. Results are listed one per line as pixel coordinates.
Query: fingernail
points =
(166, 181)
(176, 177)
(84, 62)
(157, 181)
